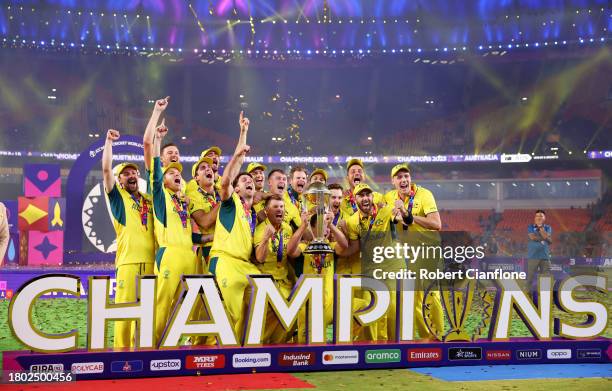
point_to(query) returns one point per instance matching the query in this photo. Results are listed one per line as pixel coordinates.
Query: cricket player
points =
(257, 171)
(214, 154)
(374, 226)
(132, 215)
(271, 239)
(230, 255)
(317, 264)
(277, 184)
(420, 203)
(297, 185)
(175, 256)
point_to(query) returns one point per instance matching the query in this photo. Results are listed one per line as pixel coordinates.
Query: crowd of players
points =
(241, 227)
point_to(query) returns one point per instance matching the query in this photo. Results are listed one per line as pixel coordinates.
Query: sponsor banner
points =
(251, 360)
(335, 357)
(127, 366)
(586, 354)
(498, 355)
(205, 361)
(296, 359)
(425, 354)
(465, 353)
(165, 365)
(559, 354)
(529, 354)
(47, 368)
(80, 368)
(380, 356)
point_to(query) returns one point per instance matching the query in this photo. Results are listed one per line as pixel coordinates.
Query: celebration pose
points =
(421, 205)
(230, 255)
(132, 215)
(271, 239)
(175, 256)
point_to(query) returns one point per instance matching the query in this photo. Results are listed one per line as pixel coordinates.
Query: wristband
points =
(408, 219)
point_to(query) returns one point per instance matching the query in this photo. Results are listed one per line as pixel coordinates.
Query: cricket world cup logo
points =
(457, 298)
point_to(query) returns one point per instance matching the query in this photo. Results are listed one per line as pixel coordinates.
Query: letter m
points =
(309, 289)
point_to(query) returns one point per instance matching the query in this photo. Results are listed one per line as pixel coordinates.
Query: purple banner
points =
(290, 358)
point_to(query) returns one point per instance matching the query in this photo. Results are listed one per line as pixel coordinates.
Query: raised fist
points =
(112, 135)
(161, 104)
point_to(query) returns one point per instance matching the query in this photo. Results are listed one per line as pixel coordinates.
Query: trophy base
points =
(318, 248)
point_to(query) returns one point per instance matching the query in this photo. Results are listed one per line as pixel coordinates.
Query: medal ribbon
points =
(294, 197)
(144, 209)
(251, 215)
(277, 245)
(319, 262)
(410, 202)
(351, 199)
(181, 209)
(336, 217)
(209, 197)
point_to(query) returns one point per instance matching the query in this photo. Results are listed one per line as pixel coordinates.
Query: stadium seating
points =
(472, 221)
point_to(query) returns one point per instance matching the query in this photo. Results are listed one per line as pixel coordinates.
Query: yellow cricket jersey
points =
(199, 199)
(372, 232)
(295, 199)
(359, 225)
(233, 233)
(423, 204)
(292, 214)
(133, 222)
(309, 263)
(276, 261)
(349, 203)
(172, 222)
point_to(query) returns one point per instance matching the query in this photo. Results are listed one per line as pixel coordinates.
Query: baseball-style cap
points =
(319, 171)
(214, 148)
(120, 167)
(203, 159)
(254, 166)
(176, 165)
(399, 167)
(352, 162)
(362, 187)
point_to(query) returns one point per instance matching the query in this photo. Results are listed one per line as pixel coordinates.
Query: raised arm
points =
(149, 136)
(231, 172)
(107, 160)
(293, 248)
(244, 129)
(233, 167)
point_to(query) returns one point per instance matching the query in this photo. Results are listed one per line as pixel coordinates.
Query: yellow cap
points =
(195, 166)
(319, 171)
(399, 167)
(361, 187)
(120, 167)
(176, 165)
(352, 162)
(254, 166)
(214, 148)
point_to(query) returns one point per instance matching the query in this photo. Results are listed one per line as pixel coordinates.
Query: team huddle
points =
(239, 227)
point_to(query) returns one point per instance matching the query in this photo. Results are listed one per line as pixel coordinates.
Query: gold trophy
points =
(318, 195)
